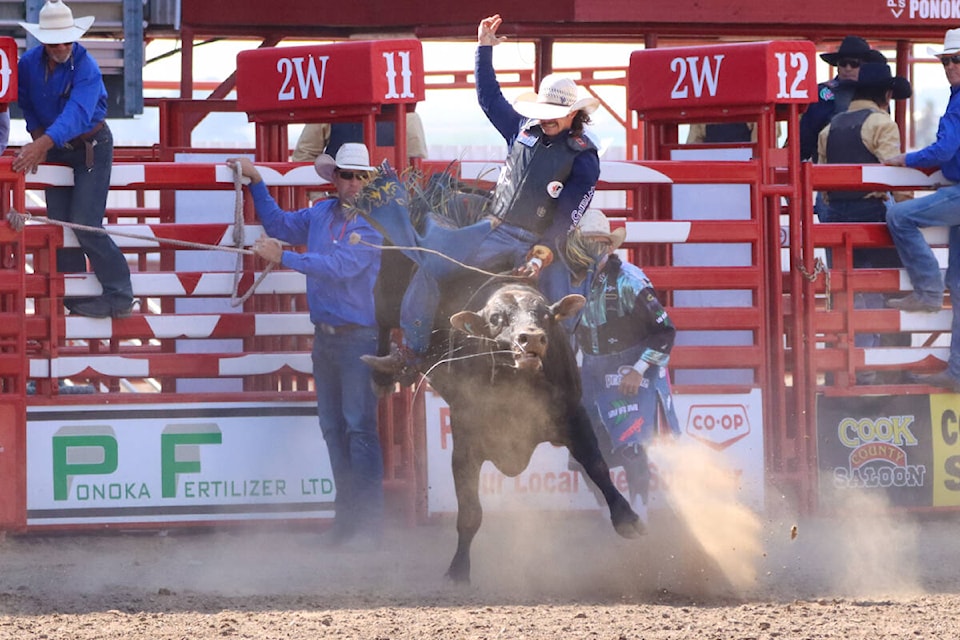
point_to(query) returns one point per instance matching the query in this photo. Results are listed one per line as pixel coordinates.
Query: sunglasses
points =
(351, 175)
(853, 63)
(945, 60)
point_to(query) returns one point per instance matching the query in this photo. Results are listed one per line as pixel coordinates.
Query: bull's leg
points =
(583, 446)
(466, 481)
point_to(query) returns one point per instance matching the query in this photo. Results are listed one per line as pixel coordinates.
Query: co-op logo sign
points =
(925, 9)
(718, 426)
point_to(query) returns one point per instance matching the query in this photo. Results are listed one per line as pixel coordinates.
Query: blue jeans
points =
(904, 221)
(505, 246)
(347, 410)
(85, 203)
(953, 285)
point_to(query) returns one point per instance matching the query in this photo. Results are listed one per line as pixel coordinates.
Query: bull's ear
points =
(470, 323)
(568, 306)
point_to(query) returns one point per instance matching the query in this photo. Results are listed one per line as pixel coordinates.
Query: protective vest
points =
(727, 132)
(845, 146)
(530, 183)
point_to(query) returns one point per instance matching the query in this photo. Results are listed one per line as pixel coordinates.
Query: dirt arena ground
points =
(707, 569)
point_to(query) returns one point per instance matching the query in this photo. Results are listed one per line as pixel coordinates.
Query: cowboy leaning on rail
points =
(64, 103)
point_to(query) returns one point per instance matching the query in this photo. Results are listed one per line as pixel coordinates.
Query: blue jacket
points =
(579, 186)
(833, 97)
(65, 102)
(943, 152)
(340, 275)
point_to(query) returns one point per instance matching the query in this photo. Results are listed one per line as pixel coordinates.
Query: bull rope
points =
(18, 221)
(355, 239)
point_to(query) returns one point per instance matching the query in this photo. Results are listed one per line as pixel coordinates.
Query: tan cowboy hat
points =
(558, 97)
(595, 223)
(57, 25)
(352, 156)
(951, 44)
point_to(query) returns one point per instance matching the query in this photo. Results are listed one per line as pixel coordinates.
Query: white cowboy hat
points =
(56, 24)
(352, 156)
(558, 97)
(595, 223)
(951, 44)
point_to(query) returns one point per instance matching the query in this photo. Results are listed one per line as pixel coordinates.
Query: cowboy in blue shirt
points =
(340, 279)
(64, 103)
(939, 209)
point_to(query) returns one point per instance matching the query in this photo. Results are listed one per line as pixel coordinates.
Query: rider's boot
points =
(402, 364)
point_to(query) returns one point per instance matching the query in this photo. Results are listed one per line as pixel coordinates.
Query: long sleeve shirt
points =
(833, 97)
(64, 102)
(623, 312)
(340, 275)
(579, 186)
(880, 135)
(943, 152)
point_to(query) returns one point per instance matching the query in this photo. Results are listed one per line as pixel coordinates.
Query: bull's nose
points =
(533, 339)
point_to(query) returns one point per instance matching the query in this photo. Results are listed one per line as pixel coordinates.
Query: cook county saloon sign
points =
(318, 81)
(755, 73)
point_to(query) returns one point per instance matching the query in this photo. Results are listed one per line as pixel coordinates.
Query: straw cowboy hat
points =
(853, 47)
(558, 97)
(351, 156)
(875, 74)
(594, 223)
(951, 44)
(57, 25)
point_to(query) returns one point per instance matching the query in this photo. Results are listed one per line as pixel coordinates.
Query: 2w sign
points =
(722, 75)
(290, 82)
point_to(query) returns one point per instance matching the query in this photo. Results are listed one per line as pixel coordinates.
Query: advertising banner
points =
(889, 445)
(188, 462)
(728, 424)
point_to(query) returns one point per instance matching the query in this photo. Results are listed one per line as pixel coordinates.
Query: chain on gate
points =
(818, 267)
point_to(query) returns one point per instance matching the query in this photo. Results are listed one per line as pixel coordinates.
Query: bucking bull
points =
(504, 365)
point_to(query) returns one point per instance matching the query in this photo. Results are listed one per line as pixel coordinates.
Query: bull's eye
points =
(497, 320)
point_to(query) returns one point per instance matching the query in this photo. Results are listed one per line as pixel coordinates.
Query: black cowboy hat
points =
(876, 74)
(853, 47)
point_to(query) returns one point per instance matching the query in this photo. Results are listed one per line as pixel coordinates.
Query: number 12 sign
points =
(774, 72)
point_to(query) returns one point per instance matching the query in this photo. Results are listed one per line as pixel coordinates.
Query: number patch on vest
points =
(554, 188)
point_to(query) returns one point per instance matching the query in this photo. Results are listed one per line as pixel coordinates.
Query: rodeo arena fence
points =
(198, 408)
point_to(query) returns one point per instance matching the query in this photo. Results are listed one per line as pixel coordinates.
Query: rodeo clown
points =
(625, 337)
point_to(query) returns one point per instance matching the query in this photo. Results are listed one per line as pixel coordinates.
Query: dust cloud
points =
(703, 493)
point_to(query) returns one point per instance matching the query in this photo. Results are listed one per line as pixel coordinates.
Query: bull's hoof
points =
(626, 523)
(459, 570)
(458, 577)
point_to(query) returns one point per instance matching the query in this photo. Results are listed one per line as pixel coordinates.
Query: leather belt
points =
(86, 139)
(331, 330)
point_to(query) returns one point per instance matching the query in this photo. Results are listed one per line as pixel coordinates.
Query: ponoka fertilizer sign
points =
(176, 463)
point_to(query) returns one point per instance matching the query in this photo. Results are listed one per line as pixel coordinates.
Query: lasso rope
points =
(18, 221)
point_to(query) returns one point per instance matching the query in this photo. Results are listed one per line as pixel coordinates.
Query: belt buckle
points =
(330, 330)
